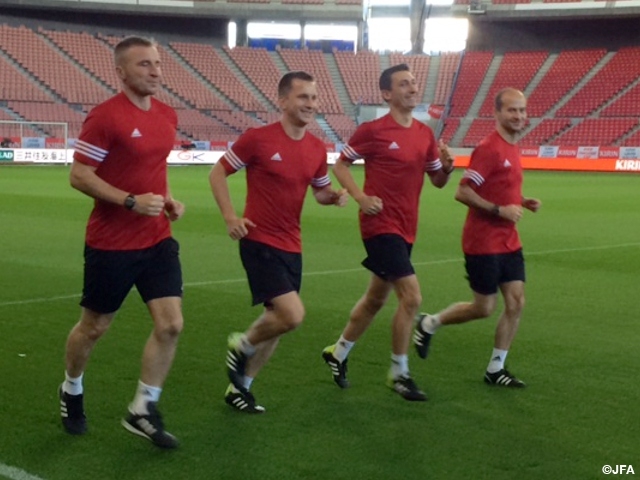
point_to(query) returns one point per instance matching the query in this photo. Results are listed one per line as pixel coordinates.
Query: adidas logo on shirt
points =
(277, 157)
(394, 146)
(506, 163)
(136, 133)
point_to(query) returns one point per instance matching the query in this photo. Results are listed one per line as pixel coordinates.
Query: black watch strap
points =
(129, 202)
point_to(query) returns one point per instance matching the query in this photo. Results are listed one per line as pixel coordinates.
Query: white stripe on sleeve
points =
(94, 153)
(234, 160)
(321, 182)
(433, 166)
(350, 153)
(474, 176)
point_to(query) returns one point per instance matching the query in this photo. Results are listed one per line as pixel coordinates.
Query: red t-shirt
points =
(279, 171)
(395, 160)
(129, 148)
(495, 173)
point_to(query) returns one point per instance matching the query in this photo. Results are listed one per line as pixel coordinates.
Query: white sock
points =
(399, 365)
(497, 360)
(247, 381)
(342, 348)
(430, 323)
(72, 386)
(144, 394)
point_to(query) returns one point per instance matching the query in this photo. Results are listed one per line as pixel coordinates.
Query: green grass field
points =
(577, 348)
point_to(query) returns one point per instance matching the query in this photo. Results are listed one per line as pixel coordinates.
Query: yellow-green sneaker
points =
(338, 368)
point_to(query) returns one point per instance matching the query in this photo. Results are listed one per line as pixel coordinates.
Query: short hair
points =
(285, 83)
(498, 100)
(128, 42)
(385, 77)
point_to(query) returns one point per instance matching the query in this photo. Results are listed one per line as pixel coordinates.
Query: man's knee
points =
(170, 328)
(411, 301)
(93, 325)
(408, 292)
(483, 306)
(514, 305)
(290, 313)
(373, 301)
(513, 294)
(167, 317)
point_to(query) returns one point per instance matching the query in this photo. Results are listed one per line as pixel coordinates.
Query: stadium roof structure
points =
(346, 11)
(340, 11)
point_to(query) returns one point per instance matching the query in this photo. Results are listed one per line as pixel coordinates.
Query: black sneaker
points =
(242, 400)
(338, 369)
(72, 412)
(236, 362)
(406, 388)
(150, 427)
(421, 338)
(504, 379)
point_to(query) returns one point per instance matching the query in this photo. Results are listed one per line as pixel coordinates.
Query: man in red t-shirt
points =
(120, 161)
(282, 159)
(492, 189)
(397, 151)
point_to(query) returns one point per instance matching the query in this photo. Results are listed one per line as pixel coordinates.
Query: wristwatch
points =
(495, 210)
(129, 202)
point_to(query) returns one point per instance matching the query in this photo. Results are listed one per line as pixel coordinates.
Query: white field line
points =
(14, 473)
(332, 272)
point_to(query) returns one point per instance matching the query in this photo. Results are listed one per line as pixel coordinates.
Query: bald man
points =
(492, 189)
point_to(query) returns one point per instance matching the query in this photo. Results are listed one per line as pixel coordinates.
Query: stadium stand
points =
(303, 2)
(632, 140)
(619, 72)
(200, 126)
(13, 130)
(446, 73)
(259, 68)
(480, 128)
(567, 70)
(360, 72)
(450, 128)
(97, 58)
(14, 85)
(50, 112)
(342, 125)
(93, 55)
(545, 131)
(516, 70)
(212, 87)
(179, 81)
(208, 62)
(626, 105)
(597, 131)
(50, 66)
(472, 71)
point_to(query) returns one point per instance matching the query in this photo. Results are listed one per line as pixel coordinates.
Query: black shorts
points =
(486, 272)
(271, 272)
(109, 275)
(388, 256)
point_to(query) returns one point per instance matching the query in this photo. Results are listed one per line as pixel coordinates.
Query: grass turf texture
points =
(577, 347)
